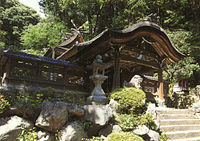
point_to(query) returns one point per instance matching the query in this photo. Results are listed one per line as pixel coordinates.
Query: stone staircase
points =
(179, 124)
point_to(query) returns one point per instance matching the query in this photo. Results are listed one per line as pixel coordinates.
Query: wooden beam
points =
(140, 62)
(116, 76)
(148, 53)
(160, 85)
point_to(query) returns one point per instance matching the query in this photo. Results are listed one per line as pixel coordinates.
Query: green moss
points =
(131, 100)
(123, 136)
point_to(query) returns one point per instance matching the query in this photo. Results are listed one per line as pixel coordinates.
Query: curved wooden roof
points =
(160, 41)
(145, 38)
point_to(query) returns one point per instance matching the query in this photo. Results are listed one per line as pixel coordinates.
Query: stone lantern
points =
(98, 96)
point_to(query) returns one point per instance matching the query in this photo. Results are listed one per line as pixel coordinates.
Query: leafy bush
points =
(180, 100)
(74, 97)
(86, 124)
(93, 139)
(28, 135)
(126, 122)
(130, 122)
(123, 136)
(131, 100)
(163, 137)
(3, 104)
(148, 120)
(30, 102)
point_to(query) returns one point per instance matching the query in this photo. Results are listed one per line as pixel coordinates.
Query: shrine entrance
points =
(142, 49)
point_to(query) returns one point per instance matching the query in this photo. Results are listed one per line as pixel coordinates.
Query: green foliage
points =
(179, 100)
(148, 120)
(86, 124)
(28, 135)
(74, 97)
(31, 101)
(3, 104)
(93, 139)
(47, 93)
(127, 122)
(163, 137)
(130, 122)
(45, 34)
(131, 100)
(97, 14)
(123, 136)
(14, 17)
(185, 68)
(34, 51)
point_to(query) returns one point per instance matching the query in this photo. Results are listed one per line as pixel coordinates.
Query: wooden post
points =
(7, 72)
(116, 76)
(53, 53)
(160, 85)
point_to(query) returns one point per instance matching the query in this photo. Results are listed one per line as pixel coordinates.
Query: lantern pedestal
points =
(98, 96)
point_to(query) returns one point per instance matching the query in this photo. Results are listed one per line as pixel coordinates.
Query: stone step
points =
(176, 116)
(183, 134)
(179, 121)
(171, 128)
(187, 139)
(173, 111)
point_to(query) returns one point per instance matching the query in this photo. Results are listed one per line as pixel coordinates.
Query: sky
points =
(34, 4)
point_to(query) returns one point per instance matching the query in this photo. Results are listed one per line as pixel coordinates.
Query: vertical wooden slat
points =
(116, 76)
(160, 85)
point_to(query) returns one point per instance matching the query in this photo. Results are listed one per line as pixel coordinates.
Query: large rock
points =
(98, 114)
(74, 109)
(12, 127)
(109, 129)
(152, 110)
(114, 105)
(146, 133)
(44, 136)
(153, 135)
(71, 132)
(141, 130)
(53, 116)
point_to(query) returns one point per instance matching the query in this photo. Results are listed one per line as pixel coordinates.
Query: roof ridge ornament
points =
(153, 17)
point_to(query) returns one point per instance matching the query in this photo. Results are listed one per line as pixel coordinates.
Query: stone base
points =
(97, 100)
(160, 102)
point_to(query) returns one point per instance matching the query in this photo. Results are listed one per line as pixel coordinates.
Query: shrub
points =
(123, 136)
(163, 137)
(28, 135)
(131, 100)
(130, 122)
(93, 139)
(74, 97)
(3, 104)
(148, 120)
(126, 122)
(86, 124)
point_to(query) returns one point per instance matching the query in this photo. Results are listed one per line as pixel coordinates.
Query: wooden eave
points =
(163, 46)
(64, 45)
(158, 49)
